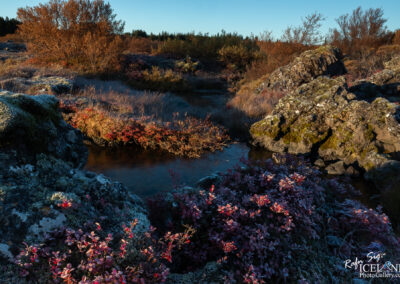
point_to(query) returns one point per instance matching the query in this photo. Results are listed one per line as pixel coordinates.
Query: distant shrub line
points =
(8, 26)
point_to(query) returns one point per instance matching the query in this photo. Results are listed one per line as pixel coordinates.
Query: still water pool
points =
(147, 173)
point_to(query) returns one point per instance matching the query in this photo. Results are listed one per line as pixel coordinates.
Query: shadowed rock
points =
(385, 83)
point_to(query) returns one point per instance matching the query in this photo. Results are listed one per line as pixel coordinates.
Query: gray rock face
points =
(325, 60)
(33, 124)
(336, 168)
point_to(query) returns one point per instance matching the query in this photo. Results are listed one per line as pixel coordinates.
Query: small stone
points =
(208, 181)
(5, 251)
(319, 163)
(336, 168)
(351, 171)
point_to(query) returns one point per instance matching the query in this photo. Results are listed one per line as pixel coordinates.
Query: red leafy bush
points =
(267, 222)
(70, 256)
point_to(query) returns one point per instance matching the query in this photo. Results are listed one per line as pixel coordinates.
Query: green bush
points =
(187, 65)
(201, 47)
(157, 79)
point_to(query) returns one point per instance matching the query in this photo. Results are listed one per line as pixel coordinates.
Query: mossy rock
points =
(34, 124)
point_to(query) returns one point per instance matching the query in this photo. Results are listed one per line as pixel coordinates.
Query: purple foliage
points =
(263, 219)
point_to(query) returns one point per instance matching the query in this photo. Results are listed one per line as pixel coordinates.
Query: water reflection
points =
(147, 173)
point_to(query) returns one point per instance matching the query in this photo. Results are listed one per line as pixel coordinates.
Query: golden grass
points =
(255, 104)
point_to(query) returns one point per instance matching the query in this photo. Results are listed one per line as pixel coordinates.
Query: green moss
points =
(292, 137)
(315, 138)
(331, 143)
(369, 133)
(367, 150)
(266, 127)
(368, 166)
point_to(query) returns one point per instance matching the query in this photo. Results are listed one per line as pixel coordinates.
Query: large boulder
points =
(49, 195)
(325, 60)
(325, 119)
(33, 124)
(388, 80)
(346, 130)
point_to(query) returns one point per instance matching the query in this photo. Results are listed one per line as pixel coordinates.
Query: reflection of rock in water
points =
(146, 173)
(258, 153)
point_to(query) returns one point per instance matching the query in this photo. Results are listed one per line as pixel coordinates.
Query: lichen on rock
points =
(325, 60)
(351, 127)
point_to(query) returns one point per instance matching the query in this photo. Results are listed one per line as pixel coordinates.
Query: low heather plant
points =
(75, 256)
(266, 222)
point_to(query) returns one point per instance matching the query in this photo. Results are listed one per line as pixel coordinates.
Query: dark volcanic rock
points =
(325, 60)
(325, 119)
(353, 128)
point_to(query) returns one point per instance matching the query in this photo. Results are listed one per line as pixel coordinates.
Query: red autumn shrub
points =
(75, 256)
(188, 137)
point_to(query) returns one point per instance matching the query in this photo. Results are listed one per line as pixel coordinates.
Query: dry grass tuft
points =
(253, 104)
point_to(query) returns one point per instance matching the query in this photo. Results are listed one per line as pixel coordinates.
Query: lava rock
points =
(325, 60)
(336, 168)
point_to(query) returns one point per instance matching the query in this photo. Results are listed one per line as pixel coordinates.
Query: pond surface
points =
(147, 173)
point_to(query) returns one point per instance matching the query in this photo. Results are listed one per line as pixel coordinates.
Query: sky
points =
(245, 17)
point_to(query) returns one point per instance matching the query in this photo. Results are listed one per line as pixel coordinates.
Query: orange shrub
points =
(360, 31)
(188, 137)
(253, 104)
(81, 34)
(275, 54)
(141, 45)
(396, 37)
